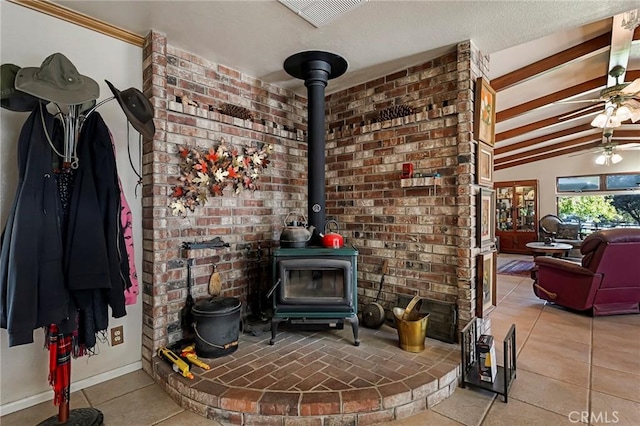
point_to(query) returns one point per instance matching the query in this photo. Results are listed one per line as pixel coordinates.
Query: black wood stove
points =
(315, 286)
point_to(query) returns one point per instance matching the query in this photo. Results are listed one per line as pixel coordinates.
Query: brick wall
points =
(427, 234)
(187, 92)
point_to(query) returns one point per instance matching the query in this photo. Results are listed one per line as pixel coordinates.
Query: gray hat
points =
(57, 80)
(137, 108)
(10, 98)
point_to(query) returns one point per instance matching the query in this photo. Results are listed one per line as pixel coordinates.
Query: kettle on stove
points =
(296, 233)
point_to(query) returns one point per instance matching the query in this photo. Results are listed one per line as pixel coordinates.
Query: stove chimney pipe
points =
(316, 68)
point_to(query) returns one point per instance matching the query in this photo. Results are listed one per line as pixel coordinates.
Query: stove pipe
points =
(315, 68)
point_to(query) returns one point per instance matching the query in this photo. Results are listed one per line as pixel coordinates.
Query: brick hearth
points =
(317, 378)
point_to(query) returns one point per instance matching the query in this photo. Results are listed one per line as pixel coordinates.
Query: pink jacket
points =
(126, 222)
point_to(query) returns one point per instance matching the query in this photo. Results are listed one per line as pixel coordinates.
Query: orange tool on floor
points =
(189, 352)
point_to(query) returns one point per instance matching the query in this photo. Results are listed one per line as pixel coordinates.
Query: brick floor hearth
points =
(317, 378)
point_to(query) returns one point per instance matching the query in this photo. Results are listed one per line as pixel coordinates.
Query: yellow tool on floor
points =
(178, 365)
(189, 352)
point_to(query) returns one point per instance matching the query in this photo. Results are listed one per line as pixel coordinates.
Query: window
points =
(594, 212)
(625, 181)
(616, 205)
(578, 183)
(604, 182)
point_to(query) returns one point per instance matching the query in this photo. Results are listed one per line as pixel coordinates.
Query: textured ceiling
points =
(376, 38)
(380, 37)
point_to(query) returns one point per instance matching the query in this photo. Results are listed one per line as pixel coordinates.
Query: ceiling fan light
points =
(623, 113)
(601, 159)
(613, 122)
(600, 121)
(616, 158)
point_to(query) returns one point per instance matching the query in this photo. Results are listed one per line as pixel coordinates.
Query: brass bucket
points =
(412, 326)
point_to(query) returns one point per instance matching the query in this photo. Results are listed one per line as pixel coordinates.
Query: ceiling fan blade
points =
(628, 146)
(579, 101)
(631, 103)
(582, 153)
(633, 88)
(585, 152)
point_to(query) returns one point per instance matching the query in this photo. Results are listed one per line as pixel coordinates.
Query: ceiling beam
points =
(631, 133)
(547, 156)
(545, 138)
(559, 59)
(551, 121)
(632, 75)
(575, 145)
(549, 148)
(578, 89)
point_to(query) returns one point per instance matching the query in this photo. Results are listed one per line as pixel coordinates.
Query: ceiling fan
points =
(609, 152)
(622, 102)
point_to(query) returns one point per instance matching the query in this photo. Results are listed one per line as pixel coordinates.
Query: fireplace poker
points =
(186, 315)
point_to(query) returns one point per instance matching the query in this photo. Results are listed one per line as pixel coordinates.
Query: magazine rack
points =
(470, 361)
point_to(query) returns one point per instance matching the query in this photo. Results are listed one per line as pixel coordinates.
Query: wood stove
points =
(315, 286)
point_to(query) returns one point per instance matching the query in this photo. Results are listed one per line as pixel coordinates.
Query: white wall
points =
(546, 172)
(27, 38)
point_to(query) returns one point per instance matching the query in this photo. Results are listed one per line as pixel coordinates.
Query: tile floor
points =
(571, 369)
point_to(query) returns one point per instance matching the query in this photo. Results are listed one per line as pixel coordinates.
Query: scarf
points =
(59, 364)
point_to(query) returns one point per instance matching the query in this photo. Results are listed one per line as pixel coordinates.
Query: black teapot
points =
(296, 233)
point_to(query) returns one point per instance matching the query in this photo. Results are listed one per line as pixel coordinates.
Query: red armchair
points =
(607, 280)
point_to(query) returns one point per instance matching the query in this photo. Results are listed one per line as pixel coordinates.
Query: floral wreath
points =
(204, 173)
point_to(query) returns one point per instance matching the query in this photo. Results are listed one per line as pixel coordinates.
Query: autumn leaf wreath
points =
(204, 173)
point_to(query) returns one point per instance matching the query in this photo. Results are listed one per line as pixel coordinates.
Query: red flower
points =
(184, 151)
(232, 173)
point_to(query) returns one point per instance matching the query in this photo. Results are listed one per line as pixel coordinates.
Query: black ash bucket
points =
(216, 323)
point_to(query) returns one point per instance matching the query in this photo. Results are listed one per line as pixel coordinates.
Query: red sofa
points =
(607, 280)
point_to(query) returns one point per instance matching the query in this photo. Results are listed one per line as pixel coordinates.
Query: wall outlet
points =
(117, 335)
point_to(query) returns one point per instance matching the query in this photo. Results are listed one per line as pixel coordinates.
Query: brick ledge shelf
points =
(418, 182)
(317, 378)
(268, 127)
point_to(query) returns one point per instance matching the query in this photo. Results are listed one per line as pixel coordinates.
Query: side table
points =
(539, 248)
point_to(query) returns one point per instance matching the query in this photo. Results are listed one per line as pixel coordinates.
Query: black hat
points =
(137, 108)
(10, 97)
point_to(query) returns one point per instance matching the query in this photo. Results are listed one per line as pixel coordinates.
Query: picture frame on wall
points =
(486, 283)
(484, 123)
(486, 217)
(484, 164)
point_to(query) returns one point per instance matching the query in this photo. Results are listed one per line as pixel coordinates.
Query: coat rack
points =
(72, 122)
(58, 81)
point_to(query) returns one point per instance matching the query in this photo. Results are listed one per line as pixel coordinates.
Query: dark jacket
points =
(55, 264)
(32, 283)
(93, 247)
